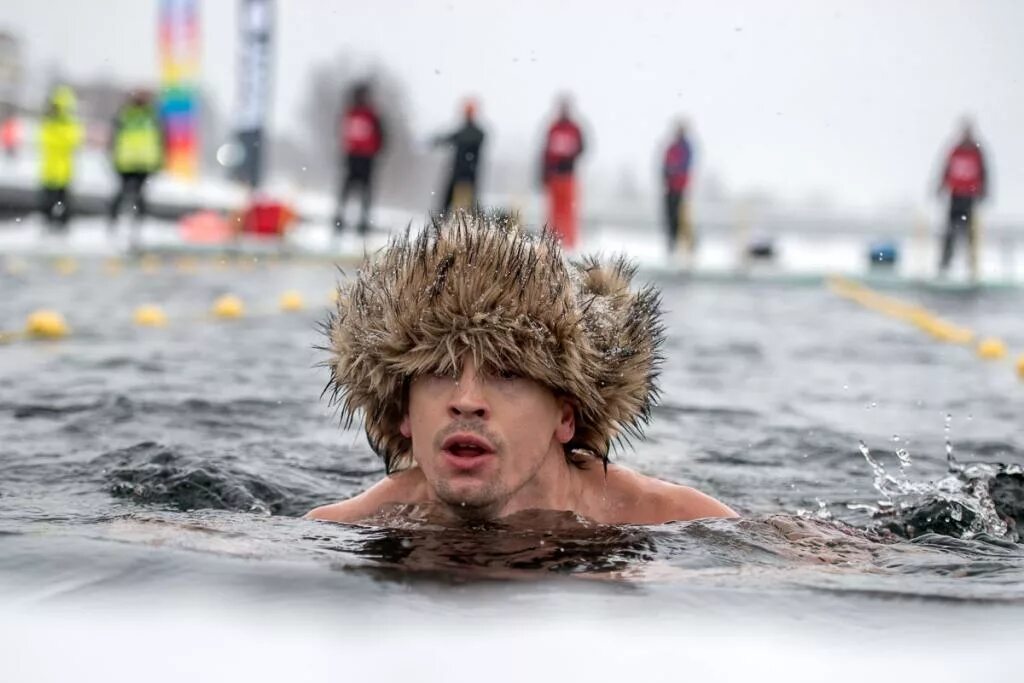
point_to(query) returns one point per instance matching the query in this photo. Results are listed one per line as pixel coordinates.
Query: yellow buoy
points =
(66, 266)
(149, 264)
(228, 306)
(150, 316)
(45, 324)
(1020, 366)
(991, 348)
(291, 301)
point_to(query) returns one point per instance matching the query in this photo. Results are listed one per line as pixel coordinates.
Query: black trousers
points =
(54, 205)
(959, 224)
(132, 185)
(358, 177)
(674, 201)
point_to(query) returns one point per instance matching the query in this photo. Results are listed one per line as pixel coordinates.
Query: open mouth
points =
(466, 449)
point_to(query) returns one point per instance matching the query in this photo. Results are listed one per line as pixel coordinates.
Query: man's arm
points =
(444, 139)
(346, 511)
(685, 503)
(647, 500)
(393, 490)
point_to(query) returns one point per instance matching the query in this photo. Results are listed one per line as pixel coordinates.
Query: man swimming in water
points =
(493, 377)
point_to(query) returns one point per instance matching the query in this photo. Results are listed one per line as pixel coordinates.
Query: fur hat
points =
(478, 284)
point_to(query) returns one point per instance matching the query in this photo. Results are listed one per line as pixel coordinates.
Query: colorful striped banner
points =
(178, 38)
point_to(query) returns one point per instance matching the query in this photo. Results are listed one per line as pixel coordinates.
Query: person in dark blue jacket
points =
(676, 177)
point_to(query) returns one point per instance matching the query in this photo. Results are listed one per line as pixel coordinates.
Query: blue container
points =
(884, 253)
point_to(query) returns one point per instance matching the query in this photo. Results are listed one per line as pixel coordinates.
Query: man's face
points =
(486, 442)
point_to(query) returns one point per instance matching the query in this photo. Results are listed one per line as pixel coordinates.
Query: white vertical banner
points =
(254, 71)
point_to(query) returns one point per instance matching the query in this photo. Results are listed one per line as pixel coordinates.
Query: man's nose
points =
(467, 398)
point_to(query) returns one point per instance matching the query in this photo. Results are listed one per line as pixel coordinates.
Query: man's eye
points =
(508, 375)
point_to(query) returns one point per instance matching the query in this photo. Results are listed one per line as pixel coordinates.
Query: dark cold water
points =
(877, 471)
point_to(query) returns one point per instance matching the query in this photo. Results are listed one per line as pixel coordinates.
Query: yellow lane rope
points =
(987, 348)
(47, 324)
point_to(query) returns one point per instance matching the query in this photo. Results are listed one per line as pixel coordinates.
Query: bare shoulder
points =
(398, 488)
(646, 500)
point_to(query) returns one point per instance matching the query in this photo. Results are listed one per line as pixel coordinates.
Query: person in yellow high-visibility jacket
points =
(60, 135)
(136, 148)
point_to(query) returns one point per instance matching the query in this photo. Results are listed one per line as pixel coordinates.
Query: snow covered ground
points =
(718, 255)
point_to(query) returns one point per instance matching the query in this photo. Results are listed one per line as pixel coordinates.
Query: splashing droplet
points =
(904, 457)
(953, 464)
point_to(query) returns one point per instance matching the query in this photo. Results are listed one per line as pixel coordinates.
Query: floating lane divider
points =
(151, 262)
(47, 324)
(987, 348)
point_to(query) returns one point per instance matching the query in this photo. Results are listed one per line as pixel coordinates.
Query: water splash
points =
(904, 457)
(823, 513)
(892, 488)
(960, 504)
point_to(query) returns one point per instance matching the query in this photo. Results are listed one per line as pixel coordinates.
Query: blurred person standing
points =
(136, 149)
(60, 136)
(676, 178)
(965, 179)
(562, 147)
(361, 138)
(466, 142)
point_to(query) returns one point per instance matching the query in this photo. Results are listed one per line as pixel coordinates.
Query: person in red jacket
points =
(562, 147)
(676, 176)
(965, 179)
(361, 136)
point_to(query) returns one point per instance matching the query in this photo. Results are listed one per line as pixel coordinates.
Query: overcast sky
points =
(853, 100)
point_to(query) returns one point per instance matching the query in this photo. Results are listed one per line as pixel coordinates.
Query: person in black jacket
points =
(466, 142)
